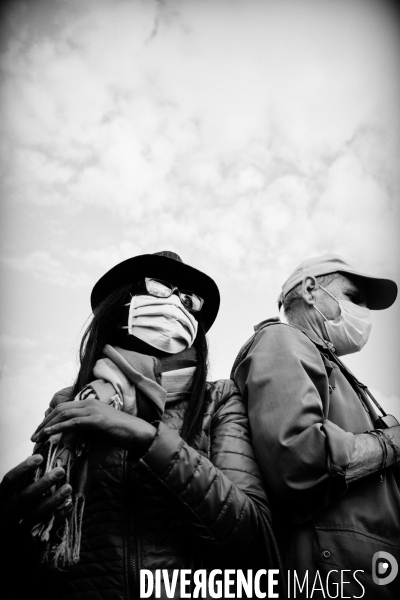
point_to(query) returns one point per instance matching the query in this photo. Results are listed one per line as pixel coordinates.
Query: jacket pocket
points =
(349, 553)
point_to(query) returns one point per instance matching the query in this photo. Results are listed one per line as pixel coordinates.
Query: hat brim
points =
(161, 267)
(381, 293)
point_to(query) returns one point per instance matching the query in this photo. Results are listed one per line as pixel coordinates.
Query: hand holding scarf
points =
(119, 405)
(117, 428)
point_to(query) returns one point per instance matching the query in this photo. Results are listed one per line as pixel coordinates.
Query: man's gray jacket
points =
(303, 416)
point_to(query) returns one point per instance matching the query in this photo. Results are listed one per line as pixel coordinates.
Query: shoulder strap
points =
(380, 421)
(360, 388)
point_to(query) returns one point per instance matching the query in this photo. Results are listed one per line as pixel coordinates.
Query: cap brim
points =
(161, 267)
(381, 293)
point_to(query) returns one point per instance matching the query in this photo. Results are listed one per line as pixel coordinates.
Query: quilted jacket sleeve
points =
(223, 499)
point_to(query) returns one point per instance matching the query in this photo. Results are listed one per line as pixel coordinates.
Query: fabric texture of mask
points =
(350, 331)
(163, 323)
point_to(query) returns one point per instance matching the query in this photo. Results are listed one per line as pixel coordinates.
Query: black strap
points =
(359, 387)
(380, 421)
(383, 421)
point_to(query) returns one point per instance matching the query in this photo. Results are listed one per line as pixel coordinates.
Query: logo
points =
(384, 568)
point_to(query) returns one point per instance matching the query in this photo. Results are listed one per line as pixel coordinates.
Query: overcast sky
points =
(245, 135)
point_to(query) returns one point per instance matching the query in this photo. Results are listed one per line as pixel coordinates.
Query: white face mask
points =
(163, 323)
(350, 331)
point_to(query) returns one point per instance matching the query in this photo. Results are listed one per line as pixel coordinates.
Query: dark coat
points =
(303, 415)
(176, 507)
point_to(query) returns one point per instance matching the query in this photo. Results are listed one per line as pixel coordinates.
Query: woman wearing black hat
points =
(150, 468)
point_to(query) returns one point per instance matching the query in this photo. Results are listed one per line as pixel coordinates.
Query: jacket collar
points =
(308, 332)
(322, 344)
(266, 322)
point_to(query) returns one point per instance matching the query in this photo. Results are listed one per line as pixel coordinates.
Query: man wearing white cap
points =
(329, 459)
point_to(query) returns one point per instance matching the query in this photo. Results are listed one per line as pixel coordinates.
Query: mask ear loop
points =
(329, 294)
(322, 315)
(130, 300)
(129, 326)
(328, 343)
(317, 285)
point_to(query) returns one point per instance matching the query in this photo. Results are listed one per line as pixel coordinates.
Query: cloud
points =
(9, 342)
(192, 125)
(136, 112)
(243, 135)
(46, 268)
(26, 390)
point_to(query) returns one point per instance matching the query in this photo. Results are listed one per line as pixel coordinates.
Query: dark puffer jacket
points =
(176, 507)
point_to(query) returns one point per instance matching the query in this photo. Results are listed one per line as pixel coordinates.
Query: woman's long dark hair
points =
(195, 410)
(102, 329)
(97, 334)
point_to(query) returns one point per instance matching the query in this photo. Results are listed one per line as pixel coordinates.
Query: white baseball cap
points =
(381, 293)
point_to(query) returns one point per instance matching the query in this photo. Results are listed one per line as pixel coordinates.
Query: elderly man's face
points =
(343, 287)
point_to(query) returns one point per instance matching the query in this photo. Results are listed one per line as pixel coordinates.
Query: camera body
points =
(386, 421)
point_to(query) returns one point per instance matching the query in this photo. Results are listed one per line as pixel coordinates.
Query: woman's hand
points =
(119, 428)
(34, 503)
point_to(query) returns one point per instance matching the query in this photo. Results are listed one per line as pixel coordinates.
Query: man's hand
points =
(34, 503)
(368, 454)
(96, 417)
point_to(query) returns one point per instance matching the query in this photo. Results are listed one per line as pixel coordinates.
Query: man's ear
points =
(309, 286)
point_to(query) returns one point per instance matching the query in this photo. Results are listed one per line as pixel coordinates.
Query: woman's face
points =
(161, 315)
(162, 289)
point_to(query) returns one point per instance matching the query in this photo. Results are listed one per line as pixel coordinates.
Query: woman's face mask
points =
(350, 331)
(163, 323)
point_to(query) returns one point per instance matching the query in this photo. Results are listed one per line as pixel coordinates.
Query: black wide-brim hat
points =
(164, 265)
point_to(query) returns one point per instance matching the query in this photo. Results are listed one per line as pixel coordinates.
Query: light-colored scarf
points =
(126, 380)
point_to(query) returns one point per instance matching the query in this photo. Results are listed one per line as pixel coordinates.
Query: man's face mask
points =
(350, 331)
(163, 323)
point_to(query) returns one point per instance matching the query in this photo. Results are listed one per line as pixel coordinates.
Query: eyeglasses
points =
(163, 289)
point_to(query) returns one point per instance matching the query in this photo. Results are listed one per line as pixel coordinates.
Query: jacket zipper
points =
(133, 536)
(132, 488)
